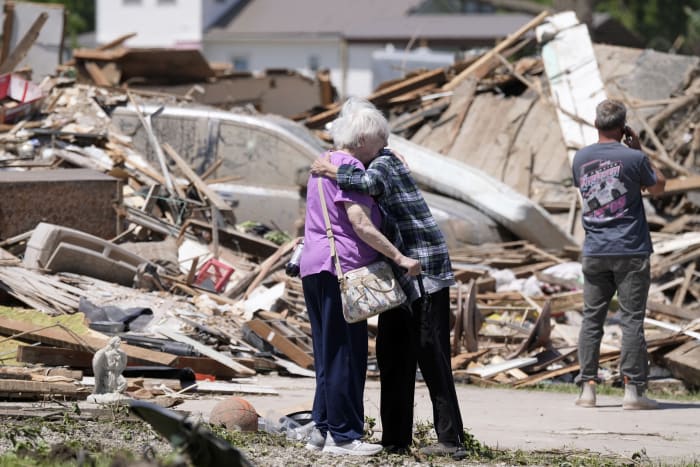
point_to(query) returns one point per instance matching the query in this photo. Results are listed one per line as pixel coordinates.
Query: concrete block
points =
(81, 199)
(60, 249)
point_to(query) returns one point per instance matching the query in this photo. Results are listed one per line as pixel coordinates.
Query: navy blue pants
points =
(406, 338)
(340, 360)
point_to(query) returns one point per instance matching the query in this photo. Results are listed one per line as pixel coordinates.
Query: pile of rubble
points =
(143, 214)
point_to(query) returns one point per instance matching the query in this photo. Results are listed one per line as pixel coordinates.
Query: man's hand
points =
(409, 264)
(324, 168)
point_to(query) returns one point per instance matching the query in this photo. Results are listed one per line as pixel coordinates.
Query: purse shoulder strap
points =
(329, 232)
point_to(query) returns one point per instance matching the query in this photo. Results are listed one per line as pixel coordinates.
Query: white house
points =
(158, 23)
(303, 35)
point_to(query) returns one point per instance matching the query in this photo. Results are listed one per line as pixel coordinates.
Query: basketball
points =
(235, 413)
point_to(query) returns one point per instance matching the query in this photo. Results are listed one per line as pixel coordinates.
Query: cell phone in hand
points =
(627, 135)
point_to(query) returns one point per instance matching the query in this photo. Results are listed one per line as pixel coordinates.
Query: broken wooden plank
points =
(492, 370)
(20, 389)
(684, 362)
(281, 343)
(96, 74)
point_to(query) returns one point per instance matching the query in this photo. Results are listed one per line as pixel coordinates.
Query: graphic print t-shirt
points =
(610, 177)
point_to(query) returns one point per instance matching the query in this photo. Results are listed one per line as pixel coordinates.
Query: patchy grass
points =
(116, 439)
(119, 440)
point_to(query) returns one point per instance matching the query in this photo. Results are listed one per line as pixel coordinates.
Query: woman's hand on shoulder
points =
(400, 157)
(323, 167)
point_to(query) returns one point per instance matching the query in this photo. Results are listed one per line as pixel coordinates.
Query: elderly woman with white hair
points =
(340, 348)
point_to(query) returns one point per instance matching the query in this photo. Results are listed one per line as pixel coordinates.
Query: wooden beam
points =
(24, 44)
(672, 310)
(117, 42)
(62, 337)
(681, 291)
(681, 185)
(7, 29)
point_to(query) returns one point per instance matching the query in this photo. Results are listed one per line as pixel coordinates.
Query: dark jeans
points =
(406, 337)
(340, 360)
(630, 277)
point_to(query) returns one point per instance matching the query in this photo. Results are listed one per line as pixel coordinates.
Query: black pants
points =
(406, 337)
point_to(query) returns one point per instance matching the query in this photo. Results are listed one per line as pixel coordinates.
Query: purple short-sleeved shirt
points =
(353, 252)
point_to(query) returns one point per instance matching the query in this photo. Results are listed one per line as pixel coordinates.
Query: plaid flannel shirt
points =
(407, 220)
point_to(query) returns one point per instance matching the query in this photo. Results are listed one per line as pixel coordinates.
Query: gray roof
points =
(359, 20)
(442, 26)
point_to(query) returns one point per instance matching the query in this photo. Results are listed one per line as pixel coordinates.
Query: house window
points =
(240, 63)
(314, 62)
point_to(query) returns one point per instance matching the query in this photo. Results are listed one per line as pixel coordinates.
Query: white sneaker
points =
(351, 448)
(316, 440)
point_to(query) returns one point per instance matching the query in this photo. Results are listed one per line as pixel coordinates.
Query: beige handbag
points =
(365, 291)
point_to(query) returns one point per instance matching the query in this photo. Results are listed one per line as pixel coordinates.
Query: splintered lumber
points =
(214, 199)
(264, 268)
(241, 370)
(285, 344)
(477, 68)
(437, 76)
(20, 389)
(62, 337)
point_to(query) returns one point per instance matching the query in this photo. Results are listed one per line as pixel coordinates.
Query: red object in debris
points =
(19, 98)
(216, 272)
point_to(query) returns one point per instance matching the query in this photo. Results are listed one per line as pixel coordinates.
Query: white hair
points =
(358, 119)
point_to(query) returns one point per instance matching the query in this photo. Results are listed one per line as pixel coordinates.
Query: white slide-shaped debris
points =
(574, 78)
(526, 219)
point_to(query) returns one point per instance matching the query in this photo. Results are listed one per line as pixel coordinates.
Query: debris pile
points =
(143, 215)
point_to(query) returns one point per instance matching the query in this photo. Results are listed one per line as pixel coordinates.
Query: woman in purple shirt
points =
(340, 349)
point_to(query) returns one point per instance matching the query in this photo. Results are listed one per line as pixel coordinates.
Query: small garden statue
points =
(108, 365)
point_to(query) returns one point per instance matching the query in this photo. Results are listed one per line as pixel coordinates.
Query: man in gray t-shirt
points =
(611, 177)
